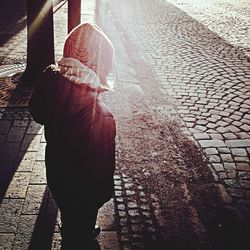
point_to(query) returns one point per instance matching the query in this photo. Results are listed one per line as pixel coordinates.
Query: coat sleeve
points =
(103, 158)
(38, 104)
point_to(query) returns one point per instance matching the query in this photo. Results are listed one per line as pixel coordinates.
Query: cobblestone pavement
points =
(228, 18)
(208, 77)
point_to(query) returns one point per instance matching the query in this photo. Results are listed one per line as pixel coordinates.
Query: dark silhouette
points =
(80, 132)
(40, 46)
(74, 14)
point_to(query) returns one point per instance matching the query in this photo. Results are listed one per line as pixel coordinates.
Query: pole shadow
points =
(17, 164)
(12, 19)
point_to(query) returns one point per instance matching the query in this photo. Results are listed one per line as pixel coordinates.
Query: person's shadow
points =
(22, 173)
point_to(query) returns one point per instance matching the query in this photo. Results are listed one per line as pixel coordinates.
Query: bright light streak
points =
(40, 18)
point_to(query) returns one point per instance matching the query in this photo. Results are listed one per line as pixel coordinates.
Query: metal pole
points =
(40, 45)
(74, 14)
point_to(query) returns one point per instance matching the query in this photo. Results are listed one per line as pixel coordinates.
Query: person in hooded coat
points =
(79, 130)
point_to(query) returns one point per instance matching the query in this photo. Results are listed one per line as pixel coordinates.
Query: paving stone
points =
(222, 123)
(233, 129)
(56, 242)
(41, 152)
(16, 134)
(245, 183)
(10, 210)
(130, 192)
(229, 135)
(241, 159)
(124, 230)
(122, 213)
(133, 212)
(214, 158)
(137, 228)
(4, 127)
(142, 194)
(132, 205)
(211, 143)
(34, 199)
(211, 151)
(35, 128)
(201, 122)
(232, 183)
(117, 182)
(211, 125)
(218, 167)
(244, 175)
(144, 207)
(121, 207)
(238, 143)
(245, 127)
(236, 192)
(243, 166)
(2, 139)
(224, 150)
(118, 187)
(106, 216)
(9, 151)
(199, 127)
(239, 152)
(128, 185)
(25, 231)
(229, 165)
(18, 186)
(231, 173)
(38, 175)
(226, 158)
(119, 199)
(6, 241)
(31, 143)
(20, 123)
(25, 161)
(118, 193)
(222, 130)
(199, 136)
(244, 206)
(216, 136)
(243, 135)
(43, 137)
(159, 217)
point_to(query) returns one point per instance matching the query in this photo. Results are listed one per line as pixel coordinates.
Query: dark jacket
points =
(80, 134)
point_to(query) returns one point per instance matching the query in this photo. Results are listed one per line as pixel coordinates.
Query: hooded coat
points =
(80, 134)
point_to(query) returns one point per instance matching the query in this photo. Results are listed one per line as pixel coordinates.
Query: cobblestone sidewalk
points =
(208, 77)
(208, 81)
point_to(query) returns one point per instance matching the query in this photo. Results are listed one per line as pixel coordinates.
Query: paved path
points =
(203, 74)
(229, 19)
(208, 77)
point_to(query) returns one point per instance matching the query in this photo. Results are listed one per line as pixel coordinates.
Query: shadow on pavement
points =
(42, 236)
(12, 19)
(26, 206)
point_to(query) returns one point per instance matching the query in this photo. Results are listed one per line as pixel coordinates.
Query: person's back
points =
(80, 135)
